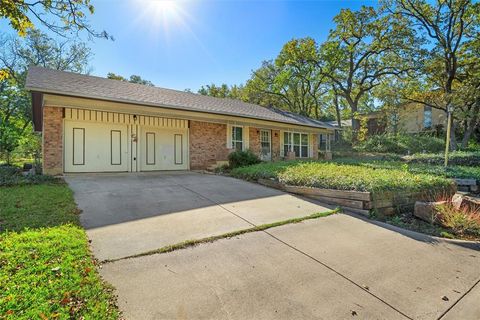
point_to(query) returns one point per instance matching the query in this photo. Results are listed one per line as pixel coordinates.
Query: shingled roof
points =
(79, 85)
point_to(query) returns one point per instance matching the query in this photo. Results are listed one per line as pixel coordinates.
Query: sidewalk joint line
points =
(458, 300)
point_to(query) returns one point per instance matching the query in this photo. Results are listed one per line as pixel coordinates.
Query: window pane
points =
(286, 137)
(238, 133)
(286, 148)
(296, 138)
(304, 151)
(238, 146)
(296, 149)
(304, 139)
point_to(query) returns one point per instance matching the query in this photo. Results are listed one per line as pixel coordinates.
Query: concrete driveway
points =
(336, 267)
(128, 214)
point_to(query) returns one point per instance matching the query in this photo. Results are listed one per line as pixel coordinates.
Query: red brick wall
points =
(315, 146)
(208, 144)
(254, 141)
(52, 140)
(275, 145)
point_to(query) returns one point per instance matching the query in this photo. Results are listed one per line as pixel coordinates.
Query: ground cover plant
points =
(46, 268)
(343, 176)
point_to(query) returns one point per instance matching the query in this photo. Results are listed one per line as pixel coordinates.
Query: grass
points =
(46, 268)
(344, 176)
(195, 242)
(36, 206)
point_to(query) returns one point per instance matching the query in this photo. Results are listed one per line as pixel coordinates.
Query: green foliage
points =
(133, 79)
(223, 91)
(238, 159)
(401, 143)
(461, 221)
(12, 176)
(344, 177)
(65, 16)
(456, 158)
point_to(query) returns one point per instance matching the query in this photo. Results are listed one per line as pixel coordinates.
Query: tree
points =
(365, 46)
(15, 57)
(447, 26)
(292, 81)
(132, 79)
(59, 16)
(222, 91)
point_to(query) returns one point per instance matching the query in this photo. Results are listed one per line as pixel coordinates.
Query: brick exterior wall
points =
(52, 140)
(315, 145)
(208, 144)
(276, 145)
(254, 141)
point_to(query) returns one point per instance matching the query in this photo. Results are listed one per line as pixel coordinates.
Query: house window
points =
(296, 142)
(237, 138)
(427, 117)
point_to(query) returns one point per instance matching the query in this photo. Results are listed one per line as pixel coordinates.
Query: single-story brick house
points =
(93, 124)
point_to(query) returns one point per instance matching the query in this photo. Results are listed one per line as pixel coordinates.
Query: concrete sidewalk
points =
(337, 267)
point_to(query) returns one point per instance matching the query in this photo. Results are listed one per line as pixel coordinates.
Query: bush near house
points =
(238, 159)
(343, 176)
(46, 268)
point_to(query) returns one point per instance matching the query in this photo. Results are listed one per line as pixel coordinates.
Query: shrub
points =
(459, 158)
(238, 159)
(11, 175)
(462, 221)
(401, 143)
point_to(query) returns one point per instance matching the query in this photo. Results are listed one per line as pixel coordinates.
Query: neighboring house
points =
(416, 117)
(410, 118)
(92, 124)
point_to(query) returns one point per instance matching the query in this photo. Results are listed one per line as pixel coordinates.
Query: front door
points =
(266, 145)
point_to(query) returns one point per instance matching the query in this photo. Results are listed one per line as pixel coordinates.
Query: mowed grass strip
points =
(46, 267)
(195, 242)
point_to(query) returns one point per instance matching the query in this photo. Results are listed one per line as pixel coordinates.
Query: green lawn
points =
(46, 268)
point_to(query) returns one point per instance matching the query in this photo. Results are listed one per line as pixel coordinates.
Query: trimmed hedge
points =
(242, 158)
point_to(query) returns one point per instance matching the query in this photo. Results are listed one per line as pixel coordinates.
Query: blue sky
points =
(192, 43)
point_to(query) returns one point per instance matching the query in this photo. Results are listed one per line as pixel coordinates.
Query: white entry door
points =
(266, 145)
(163, 149)
(95, 147)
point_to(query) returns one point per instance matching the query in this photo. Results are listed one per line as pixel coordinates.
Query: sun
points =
(164, 7)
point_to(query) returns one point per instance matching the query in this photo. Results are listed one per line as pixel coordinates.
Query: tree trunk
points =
(337, 111)
(471, 125)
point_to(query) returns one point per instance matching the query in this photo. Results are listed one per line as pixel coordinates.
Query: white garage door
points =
(162, 149)
(95, 147)
(96, 141)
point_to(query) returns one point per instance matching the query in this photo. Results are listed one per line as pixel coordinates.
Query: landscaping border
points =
(383, 204)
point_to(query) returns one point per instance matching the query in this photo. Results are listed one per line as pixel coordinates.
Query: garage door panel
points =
(95, 147)
(163, 149)
(78, 146)
(116, 147)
